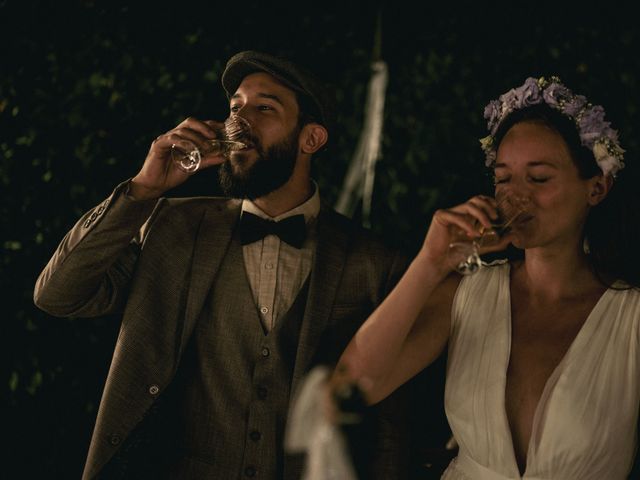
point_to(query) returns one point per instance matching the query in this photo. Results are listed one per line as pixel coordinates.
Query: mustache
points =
(252, 142)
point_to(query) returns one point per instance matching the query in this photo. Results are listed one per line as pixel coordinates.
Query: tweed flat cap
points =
(291, 75)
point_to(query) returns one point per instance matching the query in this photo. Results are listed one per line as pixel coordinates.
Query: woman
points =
(543, 370)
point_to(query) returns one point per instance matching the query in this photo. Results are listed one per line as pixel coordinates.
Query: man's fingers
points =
(207, 128)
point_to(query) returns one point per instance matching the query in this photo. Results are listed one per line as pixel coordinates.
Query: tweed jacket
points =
(155, 261)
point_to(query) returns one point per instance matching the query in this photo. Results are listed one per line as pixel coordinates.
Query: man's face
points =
(272, 149)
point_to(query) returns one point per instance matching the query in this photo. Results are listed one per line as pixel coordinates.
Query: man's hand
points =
(159, 173)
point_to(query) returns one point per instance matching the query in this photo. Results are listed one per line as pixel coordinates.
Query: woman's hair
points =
(611, 231)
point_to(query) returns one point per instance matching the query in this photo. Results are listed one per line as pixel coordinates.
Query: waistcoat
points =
(236, 389)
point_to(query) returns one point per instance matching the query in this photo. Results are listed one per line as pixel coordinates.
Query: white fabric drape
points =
(359, 180)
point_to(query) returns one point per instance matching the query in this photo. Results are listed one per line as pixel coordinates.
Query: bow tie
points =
(291, 229)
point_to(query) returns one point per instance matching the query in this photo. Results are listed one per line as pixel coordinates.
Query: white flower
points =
(600, 151)
(609, 164)
(486, 143)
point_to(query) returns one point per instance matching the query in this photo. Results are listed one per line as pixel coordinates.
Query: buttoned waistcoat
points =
(156, 262)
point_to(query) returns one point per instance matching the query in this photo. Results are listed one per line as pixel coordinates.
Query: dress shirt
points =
(276, 271)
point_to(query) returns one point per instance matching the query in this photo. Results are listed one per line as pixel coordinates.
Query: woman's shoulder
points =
(626, 294)
(493, 275)
(482, 297)
(621, 305)
(501, 263)
(493, 270)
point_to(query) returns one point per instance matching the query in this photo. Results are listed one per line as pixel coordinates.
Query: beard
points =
(271, 170)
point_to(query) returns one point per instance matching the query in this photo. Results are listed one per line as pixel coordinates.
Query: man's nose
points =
(245, 112)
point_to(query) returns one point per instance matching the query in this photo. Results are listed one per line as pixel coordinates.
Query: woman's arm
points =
(411, 326)
(404, 334)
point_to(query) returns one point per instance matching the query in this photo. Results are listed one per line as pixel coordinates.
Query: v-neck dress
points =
(585, 423)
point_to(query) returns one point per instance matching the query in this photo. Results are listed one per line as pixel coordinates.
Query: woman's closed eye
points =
(534, 179)
(538, 179)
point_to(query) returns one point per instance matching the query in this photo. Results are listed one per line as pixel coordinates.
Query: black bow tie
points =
(291, 229)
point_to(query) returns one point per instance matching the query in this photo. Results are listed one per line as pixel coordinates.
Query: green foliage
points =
(85, 87)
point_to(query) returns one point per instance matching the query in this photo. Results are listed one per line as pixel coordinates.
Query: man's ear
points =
(313, 137)
(600, 186)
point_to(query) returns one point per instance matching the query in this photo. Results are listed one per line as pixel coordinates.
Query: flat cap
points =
(291, 75)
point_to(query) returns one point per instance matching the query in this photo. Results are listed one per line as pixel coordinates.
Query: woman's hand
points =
(464, 222)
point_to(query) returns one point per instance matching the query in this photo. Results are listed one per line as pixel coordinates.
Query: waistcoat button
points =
(255, 435)
(262, 392)
(250, 472)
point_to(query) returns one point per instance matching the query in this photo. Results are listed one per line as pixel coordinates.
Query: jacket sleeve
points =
(392, 448)
(90, 271)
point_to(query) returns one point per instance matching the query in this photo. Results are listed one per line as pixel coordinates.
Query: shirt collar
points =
(309, 209)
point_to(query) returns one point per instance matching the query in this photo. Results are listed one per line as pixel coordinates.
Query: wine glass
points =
(512, 209)
(230, 138)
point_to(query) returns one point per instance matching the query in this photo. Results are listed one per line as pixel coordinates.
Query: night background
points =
(85, 86)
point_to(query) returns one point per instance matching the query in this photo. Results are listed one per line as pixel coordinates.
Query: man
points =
(223, 310)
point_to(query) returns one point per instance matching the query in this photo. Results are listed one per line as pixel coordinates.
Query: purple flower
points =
(591, 124)
(574, 105)
(492, 113)
(610, 133)
(515, 99)
(528, 94)
(556, 94)
(509, 101)
(592, 116)
(492, 110)
(490, 158)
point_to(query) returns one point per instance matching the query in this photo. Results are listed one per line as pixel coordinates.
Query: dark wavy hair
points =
(611, 229)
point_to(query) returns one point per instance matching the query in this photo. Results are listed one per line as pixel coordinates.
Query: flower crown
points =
(595, 133)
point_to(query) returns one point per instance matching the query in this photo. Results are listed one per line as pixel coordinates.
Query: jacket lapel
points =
(326, 272)
(210, 248)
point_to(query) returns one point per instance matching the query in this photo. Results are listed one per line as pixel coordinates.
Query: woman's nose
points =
(513, 190)
(517, 185)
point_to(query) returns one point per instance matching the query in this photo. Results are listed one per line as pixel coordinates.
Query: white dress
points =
(585, 423)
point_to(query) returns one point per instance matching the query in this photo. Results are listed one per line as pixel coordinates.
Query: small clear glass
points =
(465, 254)
(232, 137)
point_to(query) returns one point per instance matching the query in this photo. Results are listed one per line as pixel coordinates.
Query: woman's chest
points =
(540, 339)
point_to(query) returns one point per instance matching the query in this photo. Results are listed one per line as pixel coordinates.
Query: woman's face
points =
(534, 161)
